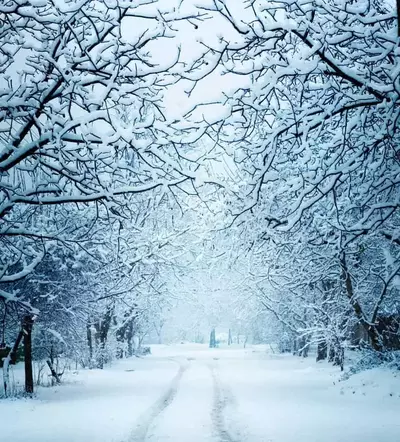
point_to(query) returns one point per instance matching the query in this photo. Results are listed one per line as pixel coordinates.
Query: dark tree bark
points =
(102, 328)
(13, 353)
(120, 337)
(27, 326)
(302, 346)
(129, 338)
(56, 376)
(373, 333)
(331, 353)
(89, 341)
(336, 354)
(295, 346)
(339, 358)
(124, 334)
(322, 351)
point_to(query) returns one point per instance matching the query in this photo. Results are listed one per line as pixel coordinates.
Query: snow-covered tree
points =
(80, 117)
(314, 130)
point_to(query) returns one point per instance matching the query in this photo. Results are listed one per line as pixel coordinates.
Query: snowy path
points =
(146, 421)
(222, 397)
(187, 419)
(186, 394)
(193, 408)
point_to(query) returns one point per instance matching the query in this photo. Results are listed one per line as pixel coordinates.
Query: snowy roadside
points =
(93, 405)
(290, 399)
(376, 384)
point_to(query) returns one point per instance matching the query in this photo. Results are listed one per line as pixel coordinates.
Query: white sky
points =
(190, 40)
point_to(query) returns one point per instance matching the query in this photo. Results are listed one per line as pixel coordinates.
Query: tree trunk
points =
(230, 340)
(331, 353)
(101, 335)
(129, 338)
(90, 343)
(11, 358)
(213, 343)
(6, 374)
(373, 334)
(56, 377)
(322, 351)
(339, 358)
(295, 346)
(336, 354)
(27, 326)
(120, 337)
(300, 346)
(53, 372)
(159, 331)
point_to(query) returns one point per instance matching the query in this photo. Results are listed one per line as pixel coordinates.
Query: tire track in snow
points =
(222, 398)
(146, 421)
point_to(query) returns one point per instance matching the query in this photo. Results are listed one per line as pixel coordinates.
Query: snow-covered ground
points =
(189, 393)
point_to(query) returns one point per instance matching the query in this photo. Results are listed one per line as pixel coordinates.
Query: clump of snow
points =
(376, 383)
